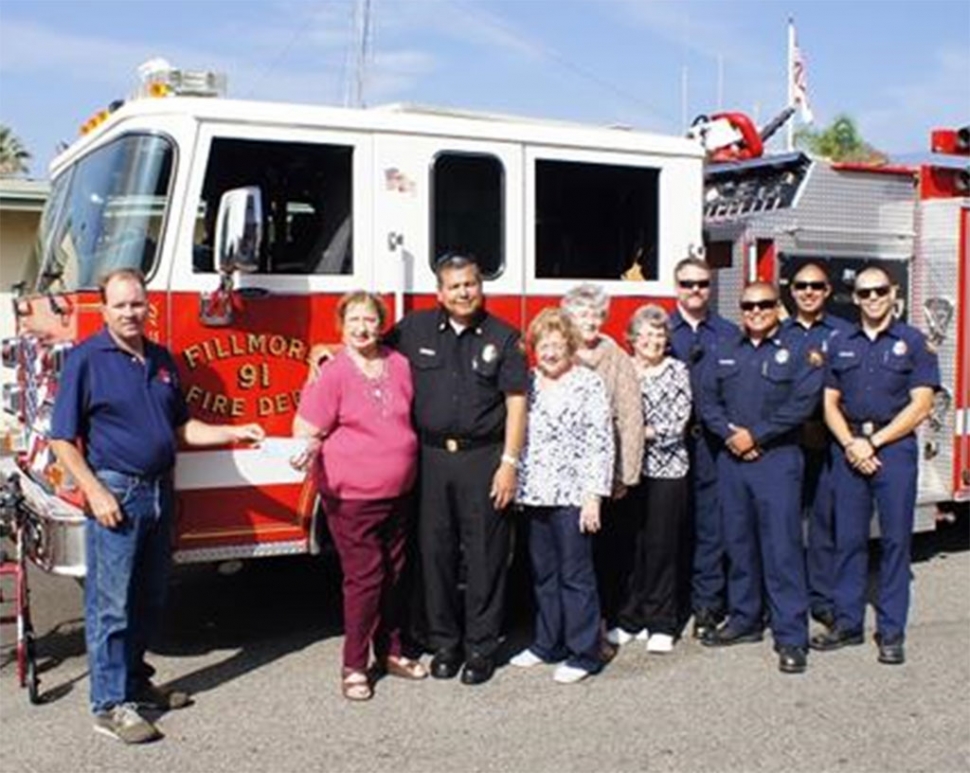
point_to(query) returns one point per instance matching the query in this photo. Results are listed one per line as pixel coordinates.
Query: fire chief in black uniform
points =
(470, 380)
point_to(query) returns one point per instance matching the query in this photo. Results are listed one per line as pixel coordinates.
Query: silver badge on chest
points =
(899, 348)
(781, 356)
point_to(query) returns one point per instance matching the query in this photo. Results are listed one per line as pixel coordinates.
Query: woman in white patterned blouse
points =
(659, 502)
(566, 469)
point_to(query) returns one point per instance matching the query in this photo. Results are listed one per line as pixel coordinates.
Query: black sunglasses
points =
(765, 305)
(820, 286)
(869, 292)
(690, 284)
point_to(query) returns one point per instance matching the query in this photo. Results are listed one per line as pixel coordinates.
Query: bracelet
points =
(510, 460)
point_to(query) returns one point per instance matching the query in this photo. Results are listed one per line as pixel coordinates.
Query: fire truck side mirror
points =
(239, 230)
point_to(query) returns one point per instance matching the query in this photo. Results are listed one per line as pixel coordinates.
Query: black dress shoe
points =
(445, 664)
(726, 636)
(477, 670)
(792, 660)
(705, 621)
(891, 651)
(824, 616)
(835, 638)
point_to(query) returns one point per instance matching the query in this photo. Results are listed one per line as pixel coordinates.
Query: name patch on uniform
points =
(489, 353)
(427, 352)
(725, 362)
(899, 348)
(846, 354)
(781, 356)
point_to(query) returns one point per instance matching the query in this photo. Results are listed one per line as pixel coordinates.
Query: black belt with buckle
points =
(454, 444)
(866, 428)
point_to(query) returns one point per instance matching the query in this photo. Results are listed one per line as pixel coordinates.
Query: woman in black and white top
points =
(566, 469)
(658, 504)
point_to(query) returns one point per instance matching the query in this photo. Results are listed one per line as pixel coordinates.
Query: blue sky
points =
(899, 67)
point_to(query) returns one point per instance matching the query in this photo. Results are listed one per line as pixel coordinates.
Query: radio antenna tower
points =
(362, 30)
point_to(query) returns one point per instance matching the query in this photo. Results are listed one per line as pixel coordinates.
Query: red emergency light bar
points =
(954, 142)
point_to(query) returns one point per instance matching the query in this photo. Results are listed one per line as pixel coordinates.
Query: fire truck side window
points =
(307, 202)
(467, 209)
(595, 221)
(107, 214)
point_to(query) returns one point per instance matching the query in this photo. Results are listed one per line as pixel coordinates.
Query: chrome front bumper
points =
(53, 530)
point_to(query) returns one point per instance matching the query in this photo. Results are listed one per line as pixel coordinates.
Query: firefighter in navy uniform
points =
(812, 330)
(695, 331)
(470, 380)
(879, 386)
(755, 397)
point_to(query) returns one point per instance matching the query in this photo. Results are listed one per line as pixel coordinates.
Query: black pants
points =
(657, 511)
(613, 554)
(459, 528)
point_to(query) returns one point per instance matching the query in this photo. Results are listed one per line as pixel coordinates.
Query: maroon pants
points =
(369, 536)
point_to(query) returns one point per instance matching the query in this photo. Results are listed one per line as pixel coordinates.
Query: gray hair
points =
(455, 262)
(652, 315)
(586, 295)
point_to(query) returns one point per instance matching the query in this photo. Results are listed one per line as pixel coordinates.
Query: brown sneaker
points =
(150, 696)
(125, 724)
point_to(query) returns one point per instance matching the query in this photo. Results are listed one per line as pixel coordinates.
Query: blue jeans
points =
(127, 574)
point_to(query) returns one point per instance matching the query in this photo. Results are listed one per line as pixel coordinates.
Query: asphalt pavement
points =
(260, 651)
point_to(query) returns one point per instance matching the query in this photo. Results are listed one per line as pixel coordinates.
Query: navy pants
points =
(567, 604)
(761, 502)
(708, 576)
(124, 590)
(893, 490)
(817, 501)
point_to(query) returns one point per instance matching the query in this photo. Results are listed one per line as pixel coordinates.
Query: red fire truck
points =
(765, 216)
(250, 220)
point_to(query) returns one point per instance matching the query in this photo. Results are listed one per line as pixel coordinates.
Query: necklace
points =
(374, 372)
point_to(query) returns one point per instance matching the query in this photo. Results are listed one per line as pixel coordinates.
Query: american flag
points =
(799, 84)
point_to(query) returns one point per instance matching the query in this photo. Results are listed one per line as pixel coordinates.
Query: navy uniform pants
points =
(817, 503)
(893, 490)
(458, 526)
(707, 576)
(761, 504)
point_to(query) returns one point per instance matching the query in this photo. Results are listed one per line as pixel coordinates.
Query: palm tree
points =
(13, 154)
(840, 141)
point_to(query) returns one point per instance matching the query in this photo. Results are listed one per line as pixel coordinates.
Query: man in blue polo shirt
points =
(119, 396)
(879, 387)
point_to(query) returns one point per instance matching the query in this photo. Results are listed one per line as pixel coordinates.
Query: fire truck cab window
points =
(105, 213)
(467, 209)
(307, 203)
(595, 221)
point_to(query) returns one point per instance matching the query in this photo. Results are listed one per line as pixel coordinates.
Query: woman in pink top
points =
(363, 454)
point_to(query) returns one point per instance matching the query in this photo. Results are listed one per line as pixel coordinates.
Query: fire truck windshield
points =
(105, 212)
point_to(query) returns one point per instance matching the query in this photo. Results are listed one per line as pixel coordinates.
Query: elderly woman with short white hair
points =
(658, 505)
(588, 306)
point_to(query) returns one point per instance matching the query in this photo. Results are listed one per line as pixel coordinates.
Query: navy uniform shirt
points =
(460, 380)
(875, 377)
(814, 341)
(696, 348)
(125, 411)
(770, 389)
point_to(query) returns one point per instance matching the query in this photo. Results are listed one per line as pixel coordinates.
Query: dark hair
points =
(120, 273)
(453, 262)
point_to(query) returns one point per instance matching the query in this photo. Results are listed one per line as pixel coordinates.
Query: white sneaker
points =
(660, 642)
(526, 659)
(643, 635)
(569, 674)
(619, 636)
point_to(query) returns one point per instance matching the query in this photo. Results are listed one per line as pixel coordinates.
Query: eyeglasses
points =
(802, 286)
(765, 305)
(872, 292)
(691, 284)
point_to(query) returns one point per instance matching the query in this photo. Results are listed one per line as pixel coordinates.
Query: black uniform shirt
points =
(460, 380)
